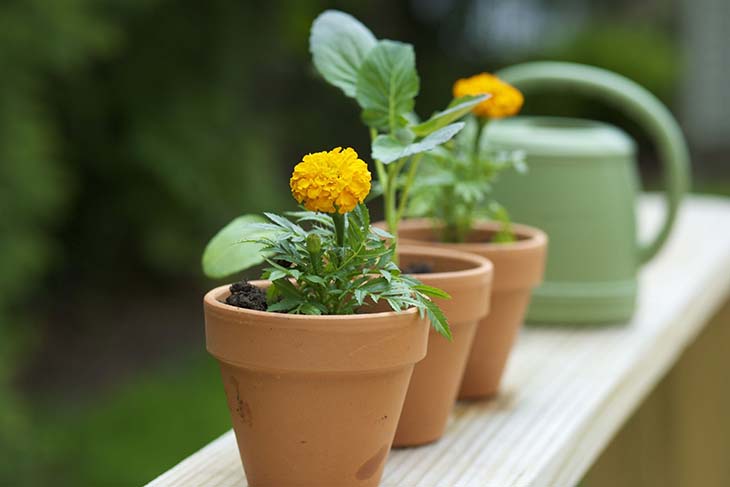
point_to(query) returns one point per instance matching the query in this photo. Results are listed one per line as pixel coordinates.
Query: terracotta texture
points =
(518, 268)
(314, 400)
(436, 379)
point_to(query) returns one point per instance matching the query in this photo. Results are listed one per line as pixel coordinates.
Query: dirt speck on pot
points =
(246, 295)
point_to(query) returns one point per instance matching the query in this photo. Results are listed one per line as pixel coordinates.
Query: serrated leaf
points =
(431, 291)
(276, 274)
(387, 148)
(339, 43)
(359, 296)
(382, 233)
(387, 275)
(310, 309)
(311, 216)
(438, 320)
(456, 109)
(315, 279)
(228, 252)
(287, 289)
(394, 305)
(285, 304)
(285, 223)
(387, 85)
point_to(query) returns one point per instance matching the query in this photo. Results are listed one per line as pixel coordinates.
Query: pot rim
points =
(312, 343)
(211, 299)
(481, 265)
(532, 237)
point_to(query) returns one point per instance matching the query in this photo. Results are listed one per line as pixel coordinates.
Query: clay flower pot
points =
(518, 268)
(436, 379)
(314, 400)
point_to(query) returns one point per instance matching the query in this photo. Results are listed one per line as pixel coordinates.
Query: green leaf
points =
(499, 214)
(432, 291)
(287, 289)
(309, 309)
(276, 274)
(315, 279)
(228, 251)
(387, 148)
(382, 233)
(456, 109)
(339, 43)
(438, 320)
(387, 85)
(285, 223)
(285, 304)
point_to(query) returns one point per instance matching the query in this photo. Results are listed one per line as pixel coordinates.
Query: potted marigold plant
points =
(453, 196)
(317, 356)
(381, 77)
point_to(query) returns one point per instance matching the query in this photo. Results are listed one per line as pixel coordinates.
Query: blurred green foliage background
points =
(130, 131)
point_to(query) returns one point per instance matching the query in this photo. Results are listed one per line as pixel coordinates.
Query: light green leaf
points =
(228, 252)
(431, 291)
(387, 85)
(438, 320)
(387, 148)
(456, 109)
(498, 213)
(276, 274)
(339, 43)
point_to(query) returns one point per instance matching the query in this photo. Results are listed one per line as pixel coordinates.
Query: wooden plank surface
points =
(567, 390)
(680, 435)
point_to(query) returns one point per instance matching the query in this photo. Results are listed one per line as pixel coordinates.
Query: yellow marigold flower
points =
(331, 181)
(506, 100)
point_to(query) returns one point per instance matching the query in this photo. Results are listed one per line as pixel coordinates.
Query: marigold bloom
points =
(506, 100)
(331, 181)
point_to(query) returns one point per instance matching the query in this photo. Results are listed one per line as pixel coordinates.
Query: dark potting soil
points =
(246, 295)
(418, 268)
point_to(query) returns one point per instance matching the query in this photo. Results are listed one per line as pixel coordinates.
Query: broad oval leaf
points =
(387, 148)
(456, 109)
(227, 252)
(339, 43)
(387, 85)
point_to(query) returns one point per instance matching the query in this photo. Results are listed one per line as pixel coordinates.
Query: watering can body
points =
(581, 188)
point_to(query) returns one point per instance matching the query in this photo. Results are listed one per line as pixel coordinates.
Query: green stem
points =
(382, 175)
(339, 221)
(389, 196)
(482, 121)
(409, 182)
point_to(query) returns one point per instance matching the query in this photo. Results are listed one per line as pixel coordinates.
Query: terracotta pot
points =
(518, 268)
(314, 400)
(436, 379)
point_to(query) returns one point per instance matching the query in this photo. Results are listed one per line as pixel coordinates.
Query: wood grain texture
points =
(568, 390)
(680, 436)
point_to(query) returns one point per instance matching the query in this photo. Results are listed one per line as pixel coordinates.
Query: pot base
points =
(492, 345)
(434, 387)
(436, 379)
(323, 429)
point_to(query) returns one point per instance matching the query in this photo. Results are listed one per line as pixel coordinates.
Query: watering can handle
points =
(638, 103)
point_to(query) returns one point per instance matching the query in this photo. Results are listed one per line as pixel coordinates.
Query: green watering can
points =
(581, 188)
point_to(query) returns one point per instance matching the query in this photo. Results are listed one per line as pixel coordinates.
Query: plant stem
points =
(483, 122)
(339, 221)
(389, 196)
(415, 161)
